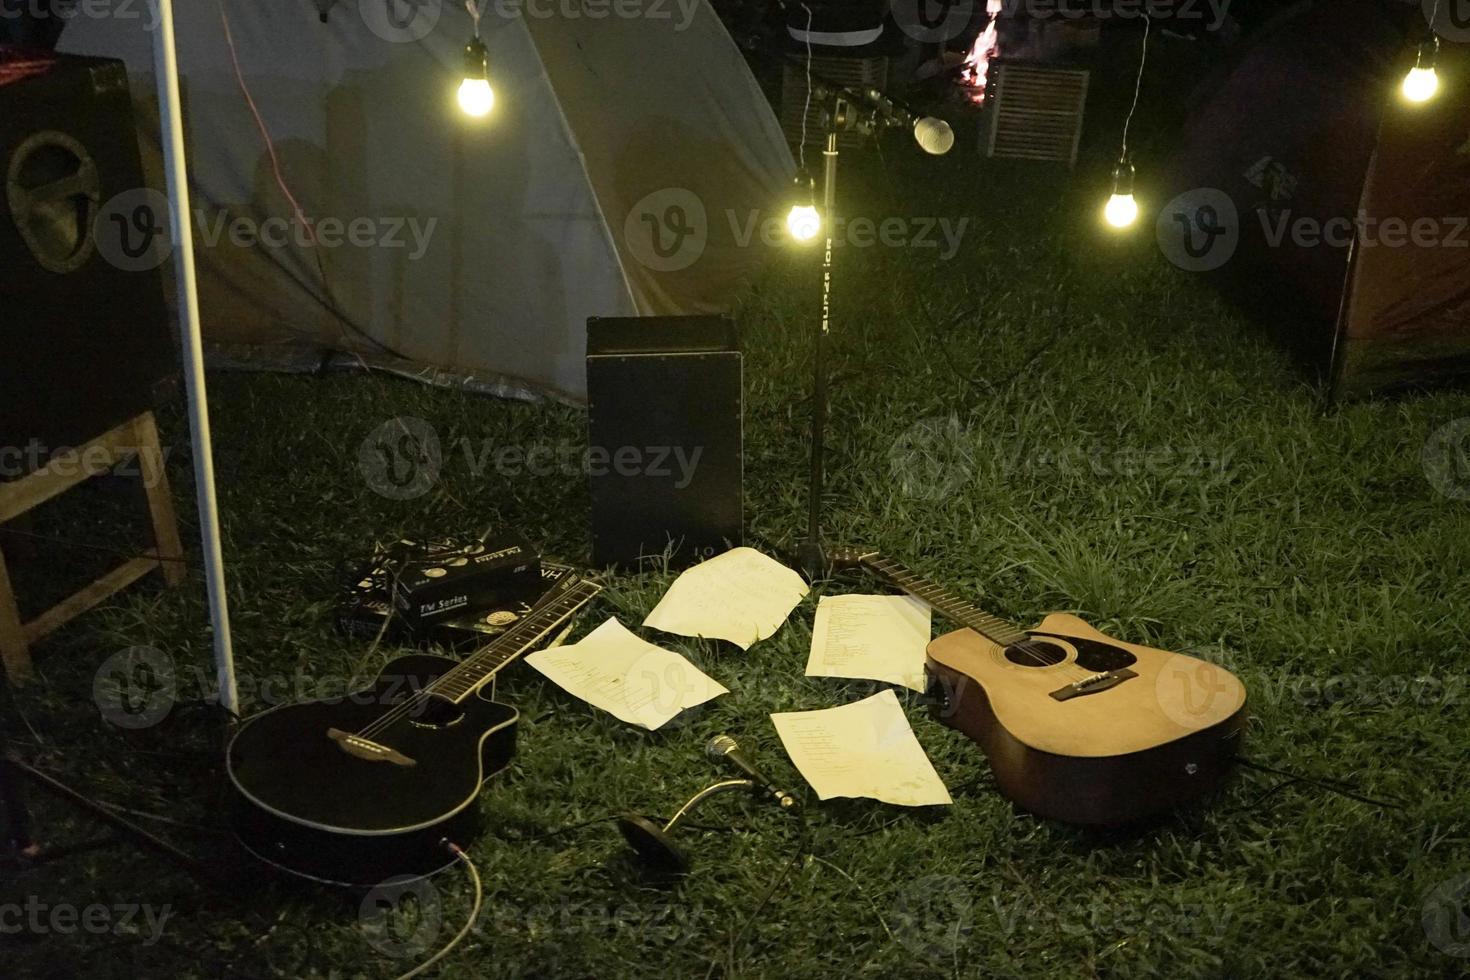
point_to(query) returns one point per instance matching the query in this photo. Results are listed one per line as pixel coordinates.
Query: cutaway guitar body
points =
(1163, 738)
(1078, 726)
(312, 805)
(378, 784)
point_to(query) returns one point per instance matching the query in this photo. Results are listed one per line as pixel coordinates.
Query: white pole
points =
(166, 69)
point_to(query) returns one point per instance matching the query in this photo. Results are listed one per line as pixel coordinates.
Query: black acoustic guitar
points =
(358, 789)
(1078, 726)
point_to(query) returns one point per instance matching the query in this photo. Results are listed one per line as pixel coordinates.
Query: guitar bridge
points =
(362, 748)
(1095, 684)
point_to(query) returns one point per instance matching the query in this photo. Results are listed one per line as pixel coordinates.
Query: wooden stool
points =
(138, 437)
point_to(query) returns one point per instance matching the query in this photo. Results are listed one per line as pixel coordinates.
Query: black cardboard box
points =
(444, 586)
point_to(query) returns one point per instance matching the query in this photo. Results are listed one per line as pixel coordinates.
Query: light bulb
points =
(1420, 84)
(476, 97)
(1121, 209)
(803, 222)
(1422, 81)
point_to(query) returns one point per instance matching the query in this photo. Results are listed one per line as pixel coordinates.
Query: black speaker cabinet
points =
(665, 438)
(84, 331)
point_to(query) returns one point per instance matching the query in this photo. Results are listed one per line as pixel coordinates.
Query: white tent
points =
(618, 174)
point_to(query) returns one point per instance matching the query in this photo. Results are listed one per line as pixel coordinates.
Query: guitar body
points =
(1107, 754)
(314, 799)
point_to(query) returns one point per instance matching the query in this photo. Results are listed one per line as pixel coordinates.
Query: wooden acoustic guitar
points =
(379, 783)
(1078, 726)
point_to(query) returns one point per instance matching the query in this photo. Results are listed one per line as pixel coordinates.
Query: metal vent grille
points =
(1036, 112)
(854, 73)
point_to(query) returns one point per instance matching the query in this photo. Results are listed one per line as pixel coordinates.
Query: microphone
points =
(725, 747)
(934, 135)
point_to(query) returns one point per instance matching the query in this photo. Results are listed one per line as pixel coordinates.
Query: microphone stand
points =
(811, 554)
(866, 113)
(655, 844)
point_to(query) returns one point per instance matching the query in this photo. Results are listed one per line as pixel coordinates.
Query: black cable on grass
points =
(1330, 785)
(145, 840)
(802, 840)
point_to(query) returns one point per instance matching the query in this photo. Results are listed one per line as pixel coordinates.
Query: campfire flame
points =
(977, 62)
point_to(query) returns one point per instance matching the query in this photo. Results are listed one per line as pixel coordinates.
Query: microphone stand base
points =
(655, 847)
(812, 560)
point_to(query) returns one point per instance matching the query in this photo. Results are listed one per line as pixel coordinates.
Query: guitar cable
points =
(1330, 785)
(469, 925)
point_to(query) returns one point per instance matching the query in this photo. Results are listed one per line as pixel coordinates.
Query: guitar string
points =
(511, 642)
(420, 697)
(579, 595)
(937, 597)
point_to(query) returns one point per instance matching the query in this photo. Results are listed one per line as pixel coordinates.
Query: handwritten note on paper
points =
(862, 749)
(741, 596)
(878, 637)
(628, 677)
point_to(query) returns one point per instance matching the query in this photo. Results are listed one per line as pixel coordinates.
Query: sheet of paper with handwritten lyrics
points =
(614, 669)
(741, 596)
(877, 637)
(862, 749)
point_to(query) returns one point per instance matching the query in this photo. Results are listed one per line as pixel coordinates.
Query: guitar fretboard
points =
(993, 628)
(554, 610)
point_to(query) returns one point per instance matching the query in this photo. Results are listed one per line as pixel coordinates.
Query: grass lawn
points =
(1048, 421)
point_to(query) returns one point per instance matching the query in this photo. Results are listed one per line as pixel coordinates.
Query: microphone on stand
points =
(653, 842)
(725, 747)
(934, 135)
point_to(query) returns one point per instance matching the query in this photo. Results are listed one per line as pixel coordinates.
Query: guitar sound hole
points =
(1099, 658)
(1035, 653)
(438, 713)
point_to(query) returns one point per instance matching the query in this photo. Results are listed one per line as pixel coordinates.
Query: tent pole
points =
(166, 70)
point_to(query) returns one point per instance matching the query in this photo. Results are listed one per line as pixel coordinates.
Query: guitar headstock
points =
(848, 559)
(569, 581)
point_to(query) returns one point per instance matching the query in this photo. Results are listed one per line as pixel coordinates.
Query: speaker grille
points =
(1036, 112)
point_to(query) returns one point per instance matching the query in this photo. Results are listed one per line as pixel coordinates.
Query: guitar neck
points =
(993, 628)
(556, 608)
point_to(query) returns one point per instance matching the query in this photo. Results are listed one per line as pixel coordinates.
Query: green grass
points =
(1050, 421)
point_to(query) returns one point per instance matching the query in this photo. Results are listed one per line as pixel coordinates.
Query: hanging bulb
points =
(804, 222)
(1422, 81)
(1121, 210)
(476, 97)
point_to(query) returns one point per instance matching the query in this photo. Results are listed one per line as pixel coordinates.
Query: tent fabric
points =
(1286, 136)
(1299, 190)
(480, 246)
(1406, 319)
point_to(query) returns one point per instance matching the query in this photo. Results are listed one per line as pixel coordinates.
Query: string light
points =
(804, 221)
(476, 97)
(1422, 82)
(1121, 211)
(1122, 208)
